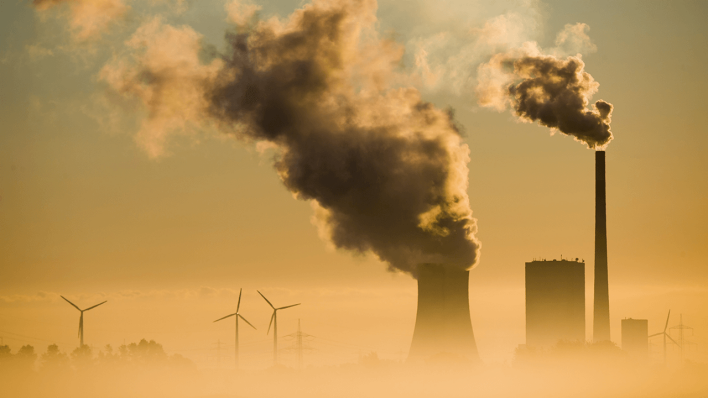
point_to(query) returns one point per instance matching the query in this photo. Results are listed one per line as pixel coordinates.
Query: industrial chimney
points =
(443, 325)
(601, 317)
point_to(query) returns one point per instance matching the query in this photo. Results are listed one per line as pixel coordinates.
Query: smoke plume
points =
(550, 90)
(386, 171)
(87, 18)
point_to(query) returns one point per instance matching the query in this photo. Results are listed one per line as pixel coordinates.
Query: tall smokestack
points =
(601, 318)
(556, 93)
(443, 326)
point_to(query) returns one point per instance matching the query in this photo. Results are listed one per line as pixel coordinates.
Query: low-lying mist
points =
(144, 369)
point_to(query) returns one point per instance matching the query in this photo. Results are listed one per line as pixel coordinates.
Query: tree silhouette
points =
(107, 357)
(145, 352)
(5, 358)
(25, 358)
(54, 360)
(82, 357)
(5, 353)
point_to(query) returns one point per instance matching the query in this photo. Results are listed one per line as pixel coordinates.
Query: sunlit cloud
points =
(240, 12)
(161, 67)
(88, 19)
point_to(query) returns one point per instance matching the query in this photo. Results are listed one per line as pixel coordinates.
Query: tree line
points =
(143, 354)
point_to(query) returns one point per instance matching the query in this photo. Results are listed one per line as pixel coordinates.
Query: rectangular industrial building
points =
(555, 302)
(635, 337)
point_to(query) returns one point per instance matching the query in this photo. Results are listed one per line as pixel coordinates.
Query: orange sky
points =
(86, 213)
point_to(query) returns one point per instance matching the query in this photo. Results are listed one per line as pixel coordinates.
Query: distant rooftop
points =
(570, 260)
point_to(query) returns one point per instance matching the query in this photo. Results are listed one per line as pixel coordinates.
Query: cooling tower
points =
(442, 326)
(601, 305)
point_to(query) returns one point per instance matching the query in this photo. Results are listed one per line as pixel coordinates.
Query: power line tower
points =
(681, 327)
(218, 353)
(299, 343)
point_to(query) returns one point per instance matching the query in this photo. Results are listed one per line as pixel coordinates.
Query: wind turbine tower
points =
(274, 323)
(81, 319)
(237, 315)
(666, 335)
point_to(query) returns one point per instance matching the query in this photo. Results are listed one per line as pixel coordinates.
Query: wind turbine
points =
(237, 315)
(81, 319)
(274, 323)
(666, 335)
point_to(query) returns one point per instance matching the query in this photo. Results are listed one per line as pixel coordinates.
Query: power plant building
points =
(555, 302)
(635, 337)
(442, 325)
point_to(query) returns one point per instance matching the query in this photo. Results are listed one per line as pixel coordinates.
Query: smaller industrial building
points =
(635, 337)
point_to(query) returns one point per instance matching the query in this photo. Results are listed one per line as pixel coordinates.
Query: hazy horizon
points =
(150, 189)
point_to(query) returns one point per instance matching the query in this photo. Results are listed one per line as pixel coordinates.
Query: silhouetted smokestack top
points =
(601, 316)
(443, 324)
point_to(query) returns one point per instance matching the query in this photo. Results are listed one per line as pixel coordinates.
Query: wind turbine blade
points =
(90, 308)
(81, 323)
(655, 334)
(239, 300)
(71, 303)
(264, 298)
(282, 308)
(244, 319)
(667, 321)
(674, 341)
(271, 322)
(225, 317)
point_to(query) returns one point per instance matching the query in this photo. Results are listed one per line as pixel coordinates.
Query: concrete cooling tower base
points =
(443, 328)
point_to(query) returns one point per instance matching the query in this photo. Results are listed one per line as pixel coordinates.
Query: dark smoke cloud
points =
(386, 171)
(552, 91)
